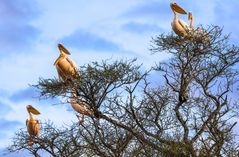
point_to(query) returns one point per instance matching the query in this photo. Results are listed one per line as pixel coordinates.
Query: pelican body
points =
(33, 125)
(178, 26)
(65, 67)
(80, 107)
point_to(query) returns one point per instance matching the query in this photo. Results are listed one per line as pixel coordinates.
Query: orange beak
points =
(63, 49)
(32, 110)
(177, 8)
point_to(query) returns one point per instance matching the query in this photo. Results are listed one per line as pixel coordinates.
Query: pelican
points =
(33, 125)
(65, 67)
(191, 19)
(179, 26)
(80, 107)
(198, 32)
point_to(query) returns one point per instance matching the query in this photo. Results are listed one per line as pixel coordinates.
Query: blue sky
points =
(92, 30)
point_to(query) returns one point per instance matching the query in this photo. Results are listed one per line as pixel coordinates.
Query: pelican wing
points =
(61, 73)
(178, 27)
(183, 24)
(38, 121)
(37, 127)
(73, 65)
(33, 127)
(80, 107)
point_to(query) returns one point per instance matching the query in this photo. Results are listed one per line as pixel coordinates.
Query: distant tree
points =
(191, 113)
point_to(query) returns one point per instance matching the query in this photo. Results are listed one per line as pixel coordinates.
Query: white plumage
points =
(80, 107)
(179, 26)
(183, 30)
(65, 67)
(33, 125)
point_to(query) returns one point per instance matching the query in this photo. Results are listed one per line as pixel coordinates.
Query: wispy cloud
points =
(7, 125)
(135, 27)
(16, 32)
(25, 94)
(84, 40)
(5, 133)
(148, 9)
(5, 108)
(31, 94)
(151, 13)
(229, 14)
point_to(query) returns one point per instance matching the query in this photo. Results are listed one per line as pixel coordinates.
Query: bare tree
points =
(191, 113)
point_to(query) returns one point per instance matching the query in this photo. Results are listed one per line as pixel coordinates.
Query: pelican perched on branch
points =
(33, 125)
(65, 67)
(81, 107)
(198, 33)
(179, 26)
(187, 31)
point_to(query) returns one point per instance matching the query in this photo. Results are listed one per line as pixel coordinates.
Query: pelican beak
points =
(63, 49)
(177, 8)
(32, 110)
(190, 16)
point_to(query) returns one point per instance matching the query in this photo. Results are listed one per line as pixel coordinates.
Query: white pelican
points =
(33, 125)
(179, 26)
(65, 67)
(191, 19)
(80, 107)
(199, 32)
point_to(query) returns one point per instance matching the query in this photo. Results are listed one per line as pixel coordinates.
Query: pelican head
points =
(63, 49)
(190, 15)
(175, 7)
(32, 110)
(63, 53)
